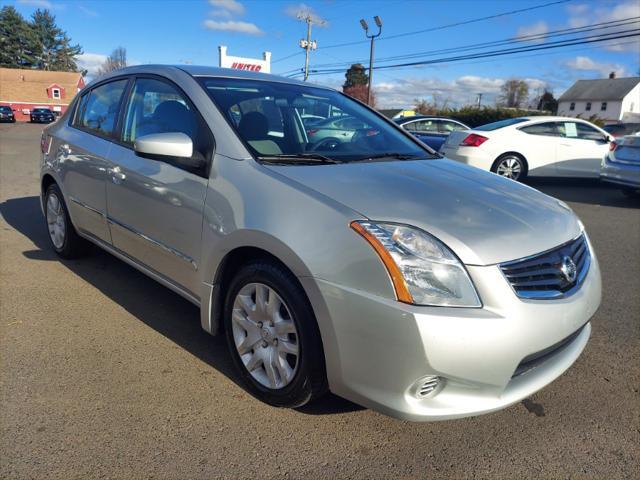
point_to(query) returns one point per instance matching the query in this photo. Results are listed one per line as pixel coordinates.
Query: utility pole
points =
(372, 37)
(307, 44)
(479, 100)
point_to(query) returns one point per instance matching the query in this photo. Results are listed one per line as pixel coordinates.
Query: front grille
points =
(550, 274)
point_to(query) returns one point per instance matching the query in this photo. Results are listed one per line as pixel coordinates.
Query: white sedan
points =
(534, 146)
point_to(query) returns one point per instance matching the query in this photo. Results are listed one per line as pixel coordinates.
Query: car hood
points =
(483, 218)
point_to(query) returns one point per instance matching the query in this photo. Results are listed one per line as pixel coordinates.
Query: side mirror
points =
(174, 148)
(170, 144)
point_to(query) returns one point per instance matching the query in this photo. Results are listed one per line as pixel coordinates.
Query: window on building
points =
(632, 107)
(572, 106)
(588, 106)
(55, 93)
(603, 107)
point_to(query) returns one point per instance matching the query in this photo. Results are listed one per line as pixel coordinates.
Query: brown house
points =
(24, 90)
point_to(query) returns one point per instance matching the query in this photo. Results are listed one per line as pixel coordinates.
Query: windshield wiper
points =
(298, 158)
(395, 155)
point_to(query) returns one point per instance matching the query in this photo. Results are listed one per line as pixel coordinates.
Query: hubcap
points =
(265, 335)
(56, 220)
(509, 167)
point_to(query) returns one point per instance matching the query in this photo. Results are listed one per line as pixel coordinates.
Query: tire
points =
(286, 379)
(63, 237)
(510, 165)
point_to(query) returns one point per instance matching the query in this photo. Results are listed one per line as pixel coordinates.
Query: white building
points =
(241, 63)
(611, 99)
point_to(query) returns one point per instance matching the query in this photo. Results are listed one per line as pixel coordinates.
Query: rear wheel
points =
(273, 336)
(63, 236)
(510, 165)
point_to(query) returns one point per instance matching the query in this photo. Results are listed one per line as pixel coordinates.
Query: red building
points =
(24, 90)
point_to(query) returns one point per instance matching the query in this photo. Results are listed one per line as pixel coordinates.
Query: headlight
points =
(423, 270)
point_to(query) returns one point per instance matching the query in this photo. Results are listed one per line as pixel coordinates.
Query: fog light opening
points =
(428, 387)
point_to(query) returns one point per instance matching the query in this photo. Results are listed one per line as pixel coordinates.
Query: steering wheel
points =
(325, 144)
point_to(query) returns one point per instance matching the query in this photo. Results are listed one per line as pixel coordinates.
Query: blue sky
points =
(189, 31)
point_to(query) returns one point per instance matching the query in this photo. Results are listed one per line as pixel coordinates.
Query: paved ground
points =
(104, 373)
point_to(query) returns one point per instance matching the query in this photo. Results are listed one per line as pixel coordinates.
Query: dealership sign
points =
(240, 63)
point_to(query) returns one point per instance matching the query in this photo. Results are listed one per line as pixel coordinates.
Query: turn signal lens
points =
(473, 140)
(400, 286)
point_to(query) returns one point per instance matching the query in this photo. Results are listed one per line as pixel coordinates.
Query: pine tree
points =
(19, 46)
(56, 51)
(356, 81)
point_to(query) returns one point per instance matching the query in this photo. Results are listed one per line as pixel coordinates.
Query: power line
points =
(456, 24)
(499, 53)
(441, 27)
(467, 62)
(507, 41)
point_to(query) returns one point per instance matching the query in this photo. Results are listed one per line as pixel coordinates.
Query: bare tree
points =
(115, 61)
(514, 93)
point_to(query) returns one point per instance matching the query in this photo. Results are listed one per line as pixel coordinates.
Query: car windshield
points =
(501, 124)
(4, 109)
(298, 123)
(41, 110)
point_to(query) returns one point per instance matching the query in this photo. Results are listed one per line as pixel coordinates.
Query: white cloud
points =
(461, 91)
(303, 10)
(87, 11)
(231, 6)
(581, 15)
(37, 3)
(586, 64)
(233, 26)
(220, 13)
(538, 28)
(90, 62)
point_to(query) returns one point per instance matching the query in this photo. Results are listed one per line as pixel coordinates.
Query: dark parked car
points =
(622, 129)
(431, 130)
(6, 114)
(42, 115)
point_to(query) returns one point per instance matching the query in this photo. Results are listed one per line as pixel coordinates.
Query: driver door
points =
(155, 206)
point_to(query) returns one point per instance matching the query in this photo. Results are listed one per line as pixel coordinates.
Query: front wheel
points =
(273, 336)
(511, 166)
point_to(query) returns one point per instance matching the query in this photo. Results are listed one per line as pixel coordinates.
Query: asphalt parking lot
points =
(105, 373)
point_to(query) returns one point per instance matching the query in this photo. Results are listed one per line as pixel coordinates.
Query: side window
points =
(424, 126)
(567, 129)
(586, 132)
(447, 127)
(156, 106)
(547, 128)
(98, 109)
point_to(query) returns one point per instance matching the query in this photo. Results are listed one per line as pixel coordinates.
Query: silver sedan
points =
(373, 268)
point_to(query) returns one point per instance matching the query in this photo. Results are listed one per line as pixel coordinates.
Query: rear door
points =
(82, 156)
(155, 207)
(581, 149)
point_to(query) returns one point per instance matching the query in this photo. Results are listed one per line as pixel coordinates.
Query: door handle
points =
(117, 176)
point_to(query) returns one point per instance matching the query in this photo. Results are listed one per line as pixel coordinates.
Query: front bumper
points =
(624, 174)
(376, 349)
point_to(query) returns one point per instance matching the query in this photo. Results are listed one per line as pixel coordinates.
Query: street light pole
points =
(372, 37)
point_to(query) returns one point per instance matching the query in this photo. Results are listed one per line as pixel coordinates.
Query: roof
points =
(204, 71)
(25, 85)
(602, 89)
